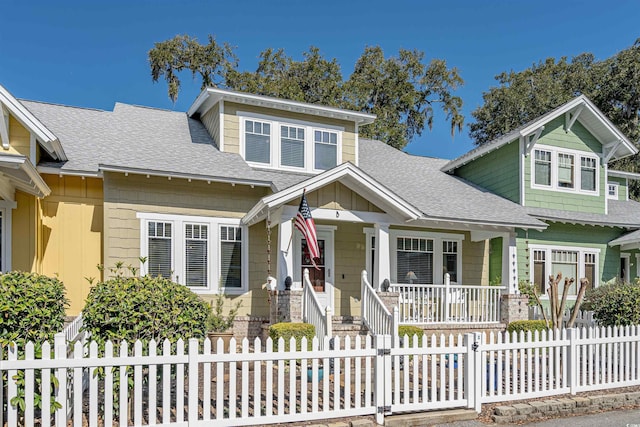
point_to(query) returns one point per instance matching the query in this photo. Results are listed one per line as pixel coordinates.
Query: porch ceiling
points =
(18, 172)
(350, 176)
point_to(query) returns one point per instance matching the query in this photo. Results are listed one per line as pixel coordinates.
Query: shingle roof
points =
(437, 194)
(624, 214)
(626, 239)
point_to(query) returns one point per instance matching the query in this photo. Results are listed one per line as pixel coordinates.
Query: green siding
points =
(495, 260)
(572, 235)
(622, 186)
(579, 139)
(497, 171)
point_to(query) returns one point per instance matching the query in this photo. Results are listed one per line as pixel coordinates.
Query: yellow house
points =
(208, 197)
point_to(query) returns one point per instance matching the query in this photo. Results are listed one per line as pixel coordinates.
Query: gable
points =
(338, 196)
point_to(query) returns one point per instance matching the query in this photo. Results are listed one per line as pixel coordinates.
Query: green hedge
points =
(410, 331)
(287, 330)
(143, 308)
(527, 325)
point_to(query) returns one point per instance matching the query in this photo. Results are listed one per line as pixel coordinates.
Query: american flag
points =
(304, 223)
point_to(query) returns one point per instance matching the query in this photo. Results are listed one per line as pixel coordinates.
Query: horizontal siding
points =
(622, 186)
(211, 121)
(578, 138)
(497, 171)
(19, 138)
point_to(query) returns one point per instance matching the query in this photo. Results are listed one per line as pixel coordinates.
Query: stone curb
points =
(509, 414)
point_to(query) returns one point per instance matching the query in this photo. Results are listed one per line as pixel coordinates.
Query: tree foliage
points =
(615, 304)
(401, 90)
(613, 84)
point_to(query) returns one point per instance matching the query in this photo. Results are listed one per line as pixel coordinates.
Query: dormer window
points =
(612, 191)
(280, 143)
(557, 169)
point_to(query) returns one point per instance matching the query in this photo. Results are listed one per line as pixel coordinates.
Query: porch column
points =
(285, 252)
(382, 268)
(510, 262)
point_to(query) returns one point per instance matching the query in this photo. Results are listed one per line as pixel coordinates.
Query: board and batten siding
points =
(211, 121)
(24, 233)
(584, 236)
(232, 127)
(497, 171)
(125, 196)
(337, 196)
(72, 225)
(349, 260)
(579, 139)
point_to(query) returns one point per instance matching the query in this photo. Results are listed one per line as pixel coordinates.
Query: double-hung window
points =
(564, 170)
(572, 262)
(450, 259)
(206, 254)
(279, 143)
(542, 167)
(414, 260)
(588, 173)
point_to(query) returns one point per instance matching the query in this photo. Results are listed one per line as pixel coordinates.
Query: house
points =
(207, 197)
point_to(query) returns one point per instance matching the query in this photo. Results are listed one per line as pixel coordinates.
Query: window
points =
(326, 149)
(553, 169)
(160, 252)
(572, 262)
(257, 141)
(414, 260)
(612, 191)
(196, 255)
(292, 146)
(565, 170)
(230, 257)
(206, 254)
(450, 259)
(542, 167)
(275, 142)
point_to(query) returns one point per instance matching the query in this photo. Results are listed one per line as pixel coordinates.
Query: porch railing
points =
(312, 311)
(375, 315)
(448, 303)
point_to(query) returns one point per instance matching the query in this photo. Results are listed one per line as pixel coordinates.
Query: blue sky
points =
(93, 54)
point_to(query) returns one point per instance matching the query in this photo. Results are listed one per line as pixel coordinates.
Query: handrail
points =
(72, 330)
(375, 315)
(312, 310)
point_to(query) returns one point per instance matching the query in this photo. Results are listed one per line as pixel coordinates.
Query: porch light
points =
(410, 277)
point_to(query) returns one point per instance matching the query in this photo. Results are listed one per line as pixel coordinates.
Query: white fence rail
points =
(375, 315)
(312, 311)
(447, 303)
(169, 384)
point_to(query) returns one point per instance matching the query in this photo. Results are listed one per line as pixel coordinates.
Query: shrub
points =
(216, 320)
(287, 330)
(143, 308)
(32, 307)
(410, 331)
(615, 304)
(527, 325)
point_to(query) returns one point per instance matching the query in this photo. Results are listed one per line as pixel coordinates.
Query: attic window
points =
(565, 170)
(612, 191)
(257, 141)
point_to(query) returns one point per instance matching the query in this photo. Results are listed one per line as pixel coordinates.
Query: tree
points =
(613, 84)
(401, 91)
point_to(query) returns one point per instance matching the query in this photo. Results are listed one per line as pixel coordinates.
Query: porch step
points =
(348, 325)
(430, 418)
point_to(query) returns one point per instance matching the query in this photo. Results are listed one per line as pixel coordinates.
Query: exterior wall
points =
(19, 139)
(578, 138)
(350, 252)
(475, 262)
(71, 237)
(211, 121)
(622, 186)
(495, 259)
(232, 127)
(24, 233)
(125, 196)
(339, 197)
(498, 171)
(572, 235)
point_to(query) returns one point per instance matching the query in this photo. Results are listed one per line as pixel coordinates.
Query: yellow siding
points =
(475, 262)
(350, 252)
(71, 241)
(24, 233)
(232, 127)
(19, 139)
(211, 121)
(337, 196)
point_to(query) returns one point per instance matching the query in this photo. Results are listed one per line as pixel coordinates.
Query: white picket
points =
(153, 385)
(45, 420)
(93, 387)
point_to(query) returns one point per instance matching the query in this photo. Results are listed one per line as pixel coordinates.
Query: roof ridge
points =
(56, 104)
(147, 107)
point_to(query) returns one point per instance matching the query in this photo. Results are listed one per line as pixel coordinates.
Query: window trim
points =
(6, 207)
(213, 248)
(438, 255)
(548, 249)
(616, 186)
(577, 170)
(275, 161)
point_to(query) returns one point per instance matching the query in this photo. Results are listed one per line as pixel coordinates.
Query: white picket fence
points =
(173, 385)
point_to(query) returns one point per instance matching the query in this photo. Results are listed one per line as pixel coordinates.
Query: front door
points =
(322, 277)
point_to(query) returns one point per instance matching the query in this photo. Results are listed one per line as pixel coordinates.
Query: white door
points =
(322, 277)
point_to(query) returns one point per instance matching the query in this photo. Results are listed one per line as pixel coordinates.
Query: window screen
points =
(159, 257)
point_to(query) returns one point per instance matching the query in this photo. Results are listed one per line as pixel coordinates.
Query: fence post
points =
(60, 352)
(382, 377)
(447, 295)
(329, 322)
(474, 370)
(394, 324)
(193, 382)
(573, 360)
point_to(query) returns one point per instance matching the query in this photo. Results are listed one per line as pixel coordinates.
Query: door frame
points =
(326, 232)
(6, 207)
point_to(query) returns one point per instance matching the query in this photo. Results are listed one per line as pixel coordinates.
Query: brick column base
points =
(513, 307)
(389, 299)
(286, 306)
